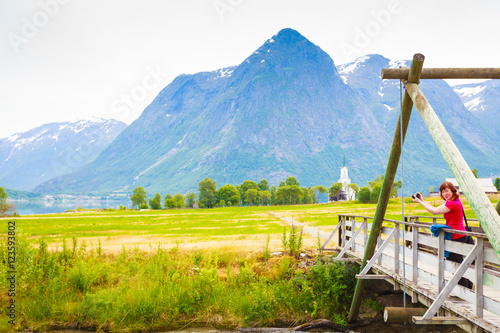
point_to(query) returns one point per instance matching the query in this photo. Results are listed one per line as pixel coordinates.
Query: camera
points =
(416, 195)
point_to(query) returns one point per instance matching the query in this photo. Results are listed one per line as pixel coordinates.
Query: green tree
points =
(251, 196)
(229, 194)
(4, 206)
(431, 189)
(169, 202)
(316, 192)
(474, 171)
(306, 196)
(155, 203)
(364, 195)
(335, 190)
(264, 196)
(376, 186)
(244, 187)
(190, 199)
(281, 193)
(375, 192)
(290, 181)
(207, 188)
(264, 185)
(179, 200)
(497, 183)
(295, 193)
(273, 195)
(139, 197)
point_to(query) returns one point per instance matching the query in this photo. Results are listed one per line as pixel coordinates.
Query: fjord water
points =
(40, 206)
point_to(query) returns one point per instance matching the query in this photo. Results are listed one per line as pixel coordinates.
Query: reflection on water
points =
(41, 206)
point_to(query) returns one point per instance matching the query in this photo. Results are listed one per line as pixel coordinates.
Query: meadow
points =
(132, 271)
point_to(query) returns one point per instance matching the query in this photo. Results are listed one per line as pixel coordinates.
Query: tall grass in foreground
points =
(168, 289)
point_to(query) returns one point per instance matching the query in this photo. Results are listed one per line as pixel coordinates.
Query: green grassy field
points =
(130, 271)
(239, 226)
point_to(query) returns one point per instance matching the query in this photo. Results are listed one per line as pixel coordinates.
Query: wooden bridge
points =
(413, 260)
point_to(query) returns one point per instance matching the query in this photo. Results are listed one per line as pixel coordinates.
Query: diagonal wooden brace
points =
(441, 297)
(330, 237)
(351, 241)
(379, 252)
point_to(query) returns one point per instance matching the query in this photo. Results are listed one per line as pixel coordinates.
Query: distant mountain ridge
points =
(284, 111)
(52, 150)
(483, 101)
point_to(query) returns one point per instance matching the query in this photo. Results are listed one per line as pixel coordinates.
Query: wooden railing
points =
(426, 270)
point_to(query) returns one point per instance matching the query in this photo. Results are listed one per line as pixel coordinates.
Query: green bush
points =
(364, 195)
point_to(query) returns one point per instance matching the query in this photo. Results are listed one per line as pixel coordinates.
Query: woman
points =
(453, 213)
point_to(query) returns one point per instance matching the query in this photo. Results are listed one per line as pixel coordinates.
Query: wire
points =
(402, 195)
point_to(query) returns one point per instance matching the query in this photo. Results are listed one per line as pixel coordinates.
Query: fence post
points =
(441, 261)
(396, 249)
(479, 277)
(414, 262)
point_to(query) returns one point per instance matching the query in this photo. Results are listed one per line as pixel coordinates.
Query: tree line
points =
(248, 193)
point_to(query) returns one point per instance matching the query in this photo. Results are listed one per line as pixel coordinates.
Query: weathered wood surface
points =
(401, 315)
(479, 202)
(443, 73)
(424, 288)
(390, 174)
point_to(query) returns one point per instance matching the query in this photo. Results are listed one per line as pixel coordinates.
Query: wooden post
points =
(479, 277)
(402, 315)
(481, 205)
(443, 73)
(441, 247)
(390, 174)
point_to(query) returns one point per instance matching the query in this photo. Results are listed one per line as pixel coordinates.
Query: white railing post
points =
(414, 261)
(441, 261)
(396, 248)
(479, 277)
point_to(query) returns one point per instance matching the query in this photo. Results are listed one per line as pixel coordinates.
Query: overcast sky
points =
(61, 60)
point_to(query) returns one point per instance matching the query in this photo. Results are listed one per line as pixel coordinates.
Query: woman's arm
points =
(431, 209)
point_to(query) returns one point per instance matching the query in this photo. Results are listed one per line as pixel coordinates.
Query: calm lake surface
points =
(41, 206)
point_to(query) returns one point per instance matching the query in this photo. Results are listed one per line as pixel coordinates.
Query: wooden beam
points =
(440, 321)
(390, 174)
(401, 315)
(481, 205)
(443, 73)
(373, 277)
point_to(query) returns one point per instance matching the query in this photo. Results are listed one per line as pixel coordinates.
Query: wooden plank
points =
(372, 277)
(479, 279)
(443, 73)
(439, 320)
(481, 205)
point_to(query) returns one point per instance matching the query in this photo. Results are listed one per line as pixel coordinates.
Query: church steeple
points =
(344, 159)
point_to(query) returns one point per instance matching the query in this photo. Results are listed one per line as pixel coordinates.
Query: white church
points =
(350, 194)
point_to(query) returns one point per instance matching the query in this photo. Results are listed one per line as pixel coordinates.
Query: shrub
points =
(364, 195)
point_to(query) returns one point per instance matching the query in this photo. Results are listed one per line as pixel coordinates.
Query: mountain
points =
(52, 150)
(423, 163)
(283, 111)
(483, 100)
